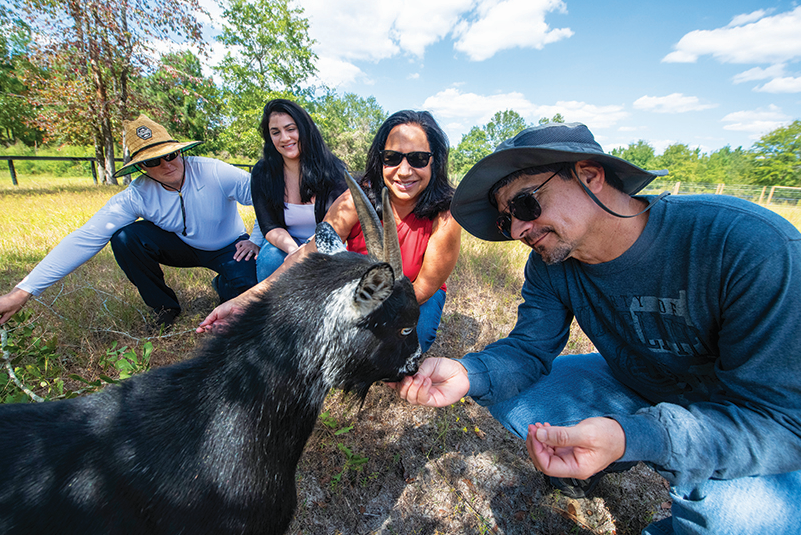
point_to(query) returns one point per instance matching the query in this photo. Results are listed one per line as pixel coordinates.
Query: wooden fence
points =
(92, 161)
(758, 194)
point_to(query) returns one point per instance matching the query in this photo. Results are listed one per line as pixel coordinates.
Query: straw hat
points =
(147, 140)
(539, 145)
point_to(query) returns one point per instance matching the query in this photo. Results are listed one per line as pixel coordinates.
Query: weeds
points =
(353, 461)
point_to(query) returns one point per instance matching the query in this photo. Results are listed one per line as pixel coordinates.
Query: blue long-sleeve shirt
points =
(701, 316)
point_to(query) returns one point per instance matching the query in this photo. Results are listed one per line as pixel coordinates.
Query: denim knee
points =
(430, 316)
(269, 259)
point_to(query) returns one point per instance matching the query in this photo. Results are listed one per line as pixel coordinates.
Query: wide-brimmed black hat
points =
(545, 144)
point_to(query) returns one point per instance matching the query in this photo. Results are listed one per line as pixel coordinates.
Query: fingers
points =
(415, 389)
(245, 250)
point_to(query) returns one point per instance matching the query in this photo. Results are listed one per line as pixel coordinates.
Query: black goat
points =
(211, 445)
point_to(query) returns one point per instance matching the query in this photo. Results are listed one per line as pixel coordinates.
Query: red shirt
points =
(413, 235)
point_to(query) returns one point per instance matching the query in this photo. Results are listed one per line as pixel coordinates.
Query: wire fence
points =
(777, 195)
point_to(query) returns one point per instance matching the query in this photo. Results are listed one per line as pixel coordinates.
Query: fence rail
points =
(76, 159)
(759, 194)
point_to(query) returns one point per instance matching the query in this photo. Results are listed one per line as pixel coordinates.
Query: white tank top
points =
(299, 219)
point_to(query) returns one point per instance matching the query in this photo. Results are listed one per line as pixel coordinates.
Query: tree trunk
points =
(100, 159)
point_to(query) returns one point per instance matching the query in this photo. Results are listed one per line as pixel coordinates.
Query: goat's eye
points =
(407, 331)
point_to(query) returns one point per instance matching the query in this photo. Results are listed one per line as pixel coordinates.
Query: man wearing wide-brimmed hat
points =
(182, 211)
(693, 304)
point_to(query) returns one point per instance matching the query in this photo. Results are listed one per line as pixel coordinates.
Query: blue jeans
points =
(582, 386)
(141, 248)
(270, 258)
(430, 316)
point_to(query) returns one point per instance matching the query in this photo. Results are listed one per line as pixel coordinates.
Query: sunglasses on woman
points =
(417, 159)
(523, 206)
(155, 162)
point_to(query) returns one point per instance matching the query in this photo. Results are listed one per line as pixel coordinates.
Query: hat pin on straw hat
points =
(148, 140)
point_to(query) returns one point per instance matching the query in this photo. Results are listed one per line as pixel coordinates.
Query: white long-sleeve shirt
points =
(211, 191)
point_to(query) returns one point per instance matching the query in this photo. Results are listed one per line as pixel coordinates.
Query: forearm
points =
(280, 238)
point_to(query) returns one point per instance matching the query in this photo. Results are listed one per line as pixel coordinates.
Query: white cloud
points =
(372, 31)
(457, 112)
(758, 73)
(781, 85)
(505, 24)
(673, 103)
(757, 122)
(335, 72)
(752, 38)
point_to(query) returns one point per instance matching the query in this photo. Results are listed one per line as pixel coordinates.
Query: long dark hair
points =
(436, 198)
(319, 168)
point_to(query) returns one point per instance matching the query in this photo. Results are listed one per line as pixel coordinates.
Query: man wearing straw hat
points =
(693, 305)
(182, 211)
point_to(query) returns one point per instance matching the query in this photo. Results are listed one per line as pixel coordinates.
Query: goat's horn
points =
(392, 252)
(371, 226)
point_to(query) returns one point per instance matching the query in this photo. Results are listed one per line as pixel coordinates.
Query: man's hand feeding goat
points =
(210, 445)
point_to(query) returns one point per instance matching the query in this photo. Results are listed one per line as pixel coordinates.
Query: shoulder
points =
(201, 164)
(730, 216)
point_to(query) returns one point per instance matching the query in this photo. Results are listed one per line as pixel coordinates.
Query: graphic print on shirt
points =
(656, 347)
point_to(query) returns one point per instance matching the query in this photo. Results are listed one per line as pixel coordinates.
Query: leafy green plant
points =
(30, 361)
(125, 359)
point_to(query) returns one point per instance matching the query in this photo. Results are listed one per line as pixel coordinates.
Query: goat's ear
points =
(374, 287)
(327, 239)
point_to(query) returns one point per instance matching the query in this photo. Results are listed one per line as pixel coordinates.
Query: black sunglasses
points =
(523, 206)
(417, 159)
(155, 162)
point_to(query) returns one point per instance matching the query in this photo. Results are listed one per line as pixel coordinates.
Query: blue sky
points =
(707, 74)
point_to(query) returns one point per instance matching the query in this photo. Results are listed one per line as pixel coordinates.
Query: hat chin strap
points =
(599, 203)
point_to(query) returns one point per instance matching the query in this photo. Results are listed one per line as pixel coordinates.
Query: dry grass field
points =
(382, 468)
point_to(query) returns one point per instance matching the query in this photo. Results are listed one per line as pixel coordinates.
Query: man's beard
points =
(559, 253)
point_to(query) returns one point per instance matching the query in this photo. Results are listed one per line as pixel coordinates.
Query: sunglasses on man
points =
(417, 159)
(155, 162)
(523, 206)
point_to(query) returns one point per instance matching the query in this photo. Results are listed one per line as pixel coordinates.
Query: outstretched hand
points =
(438, 383)
(579, 451)
(11, 303)
(220, 317)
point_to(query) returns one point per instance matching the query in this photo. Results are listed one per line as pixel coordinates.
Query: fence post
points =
(13, 172)
(676, 188)
(719, 189)
(762, 195)
(94, 172)
(770, 196)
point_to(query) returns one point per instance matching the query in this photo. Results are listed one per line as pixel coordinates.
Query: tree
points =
(180, 98)
(481, 141)
(682, 162)
(727, 166)
(87, 51)
(15, 111)
(348, 125)
(776, 157)
(555, 119)
(272, 58)
(640, 154)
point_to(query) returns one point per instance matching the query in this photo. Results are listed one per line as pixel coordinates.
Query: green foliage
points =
(274, 58)
(56, 168)
(353, 461)
(555, 119)
(640, 154)
(33, 360)
(348, 125)
(16, 113)
(126, 361)
(776, 157)
(187, 104)
(481, 141)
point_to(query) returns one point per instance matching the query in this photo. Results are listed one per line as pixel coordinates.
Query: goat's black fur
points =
(210, 445)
